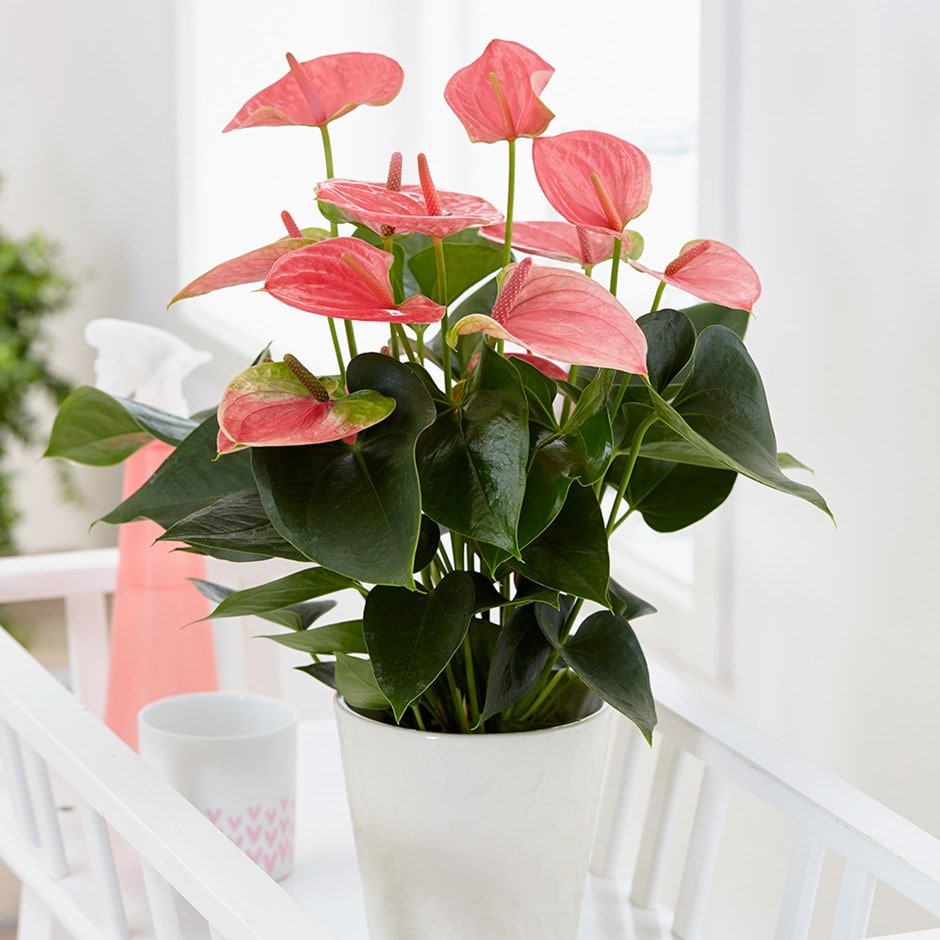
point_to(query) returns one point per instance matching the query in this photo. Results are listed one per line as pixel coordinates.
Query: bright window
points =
(628, 68)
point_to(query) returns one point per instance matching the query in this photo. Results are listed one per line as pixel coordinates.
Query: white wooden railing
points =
(101, 845)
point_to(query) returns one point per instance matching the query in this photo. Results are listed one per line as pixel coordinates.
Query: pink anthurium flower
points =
(560, 241)
(711, 271)
(594, 180)
(422, 209)
(278, 404)
(497, 96)
(563, 315)
(320, 90)
(345, 278)
(253, 265)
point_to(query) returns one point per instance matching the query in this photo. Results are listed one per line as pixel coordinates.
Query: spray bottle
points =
(156, 648)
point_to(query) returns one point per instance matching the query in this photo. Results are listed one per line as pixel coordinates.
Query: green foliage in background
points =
(32, 288)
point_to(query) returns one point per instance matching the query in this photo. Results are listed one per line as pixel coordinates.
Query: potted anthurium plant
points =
(464, 478)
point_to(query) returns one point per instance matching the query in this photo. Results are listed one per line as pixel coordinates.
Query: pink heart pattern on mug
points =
(267, 837)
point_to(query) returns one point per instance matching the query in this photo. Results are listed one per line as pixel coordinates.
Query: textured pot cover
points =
(477, 837)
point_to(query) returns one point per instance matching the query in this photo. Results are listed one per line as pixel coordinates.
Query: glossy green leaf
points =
(672, 496)
(190, 479)
(233, 526)
(722, 411)
(540, 390)
(548, 479)
(412, 636)
(356, 683)
(295, 617)
(518, 660)
(571, 554)
(429, 539)
(626, 603)
(328, 640)
(473, 459)
(356, 507)
(468, 258)
(670, 337)
(94, 428)
(705, 315)
(289, 594)
(606, 655)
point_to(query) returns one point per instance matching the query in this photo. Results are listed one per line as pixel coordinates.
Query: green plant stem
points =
(615, 266)
(460, 709)
(638, 436)
(472, 700)
(570, 619)
(419, 721)
(457, 541)
(543, 695)
(327, 150)
(334, 337)
(566, 405)
(334, 231)
(442, 300)
(398, 331)
(510, 203)
(526, 701)
(621, 392)
(658, 296)
(622, 519)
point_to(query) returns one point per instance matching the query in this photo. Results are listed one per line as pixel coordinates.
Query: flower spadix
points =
(497, 96)
(254, 265)
(345, 278)
(562, 315)
(278, 404)
(711, 271)
(320, 90)
(423, 209)
(593, 179)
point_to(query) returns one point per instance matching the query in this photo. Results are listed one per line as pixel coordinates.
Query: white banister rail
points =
(178, 843)
(45, 732)
(877, 844)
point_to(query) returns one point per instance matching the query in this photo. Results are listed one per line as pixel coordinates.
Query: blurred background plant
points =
(33, 286)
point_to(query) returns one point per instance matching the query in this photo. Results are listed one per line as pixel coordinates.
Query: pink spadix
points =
(156, 649)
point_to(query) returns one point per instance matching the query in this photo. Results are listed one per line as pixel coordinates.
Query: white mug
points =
(234, 757)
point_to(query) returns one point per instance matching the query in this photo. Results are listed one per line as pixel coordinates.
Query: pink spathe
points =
(156, 649)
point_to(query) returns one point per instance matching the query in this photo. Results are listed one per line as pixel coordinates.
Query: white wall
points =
(87, 130)
(836, 200)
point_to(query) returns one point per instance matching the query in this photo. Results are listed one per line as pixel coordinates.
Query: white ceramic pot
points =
(476, 837)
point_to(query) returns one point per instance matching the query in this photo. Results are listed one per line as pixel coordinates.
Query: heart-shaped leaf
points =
(721, 410)
(606, 655)
(355, 682)
(473, 459)
(412, 636)
(290, 593)
(518, 660)
(233, 527)
(672, 496)
(333, 638)
(94, 428)
(356, 507)
(468, 259)
(188, 480)
(571, 554)
(704, 315)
